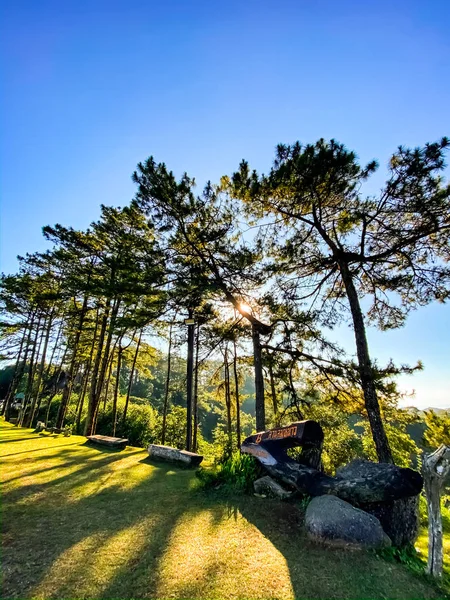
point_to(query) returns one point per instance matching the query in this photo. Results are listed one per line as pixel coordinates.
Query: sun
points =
(244, 308)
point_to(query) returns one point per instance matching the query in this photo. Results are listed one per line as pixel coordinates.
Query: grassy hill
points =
(81, 522)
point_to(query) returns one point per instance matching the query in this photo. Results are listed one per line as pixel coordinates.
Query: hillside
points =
(79, 522)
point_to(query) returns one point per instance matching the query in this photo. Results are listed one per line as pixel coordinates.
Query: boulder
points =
(269, 487)
(170, 454)
(377, 482)
(361, 482)
(399, 519)
(333, 521)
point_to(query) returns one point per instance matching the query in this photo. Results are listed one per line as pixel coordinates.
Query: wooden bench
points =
(110, 442)
(167, 453)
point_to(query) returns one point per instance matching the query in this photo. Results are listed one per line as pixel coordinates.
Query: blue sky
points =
(90, 88)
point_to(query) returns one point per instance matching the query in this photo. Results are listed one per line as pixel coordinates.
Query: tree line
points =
(250, 273)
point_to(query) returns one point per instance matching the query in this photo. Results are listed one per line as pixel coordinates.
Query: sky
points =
(90, 88)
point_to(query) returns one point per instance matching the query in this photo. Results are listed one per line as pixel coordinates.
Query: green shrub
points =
(407, 556)
(236, 473)
(139, 427)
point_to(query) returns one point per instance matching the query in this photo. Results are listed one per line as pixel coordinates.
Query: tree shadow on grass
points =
(317, 571)
(53, 544)
(111, 529)
(38, 450)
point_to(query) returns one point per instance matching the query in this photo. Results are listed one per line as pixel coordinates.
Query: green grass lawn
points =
(82, 522)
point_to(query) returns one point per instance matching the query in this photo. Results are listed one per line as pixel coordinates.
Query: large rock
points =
(399, 519)
(333, 521)
(377, 482)
(269, 487)
(361, 482)
(174, 455)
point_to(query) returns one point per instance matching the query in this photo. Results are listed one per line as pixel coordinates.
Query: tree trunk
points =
(259, 380)
(88, 372)
(166, 389)
(68, 389)
(52, 356)
(35, 405)
(57, 379)
(116, 389)
(436, 467)
(365, 369)
(228, 399)
(31, 372)
(88, 428)
(133, 366)
(108, 379)
(105, 359)
(273, 390)
(189, 380)
(21, 369)
(13, 383)
(236, 392)
(195, 400)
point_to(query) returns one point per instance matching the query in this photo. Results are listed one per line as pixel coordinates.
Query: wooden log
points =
(276, 442)
(169, 454)
(110, 442)
(436, 468)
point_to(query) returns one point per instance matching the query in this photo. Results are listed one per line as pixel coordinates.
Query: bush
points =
(237, 473)
(139, 426)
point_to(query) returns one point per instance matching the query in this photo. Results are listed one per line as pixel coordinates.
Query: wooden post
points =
(436, 467)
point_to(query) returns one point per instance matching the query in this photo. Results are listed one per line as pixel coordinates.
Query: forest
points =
(193, 319)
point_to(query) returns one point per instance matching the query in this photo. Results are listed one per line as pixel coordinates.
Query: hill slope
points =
(80, 522)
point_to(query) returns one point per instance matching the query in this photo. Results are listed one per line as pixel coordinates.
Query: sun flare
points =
(245, 308)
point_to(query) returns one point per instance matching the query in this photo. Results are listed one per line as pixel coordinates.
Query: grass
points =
(82, 522)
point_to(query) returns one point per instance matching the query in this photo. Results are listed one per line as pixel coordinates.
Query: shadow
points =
(55, 528)
(161, 463)
(324, 572)
(37, 450)
(101, 448)
(25, 439)
(110, 529)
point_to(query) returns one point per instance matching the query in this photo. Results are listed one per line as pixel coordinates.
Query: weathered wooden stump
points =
(169, 454)
(436, 468)
(110, 442)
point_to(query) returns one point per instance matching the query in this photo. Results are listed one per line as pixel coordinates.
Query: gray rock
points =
(39, 427)
(174, 455)
(333, 521)
(266, 485)
(379, 482)
(399, 519)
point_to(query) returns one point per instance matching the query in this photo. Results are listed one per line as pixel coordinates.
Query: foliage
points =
(342, 443)
(437, 429)
(175, 428)
(236, 473)
(405, 451)
(78, 320)
(407, 556)
(139, 427)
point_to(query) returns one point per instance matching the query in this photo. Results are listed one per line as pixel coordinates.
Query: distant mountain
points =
(421, 412)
